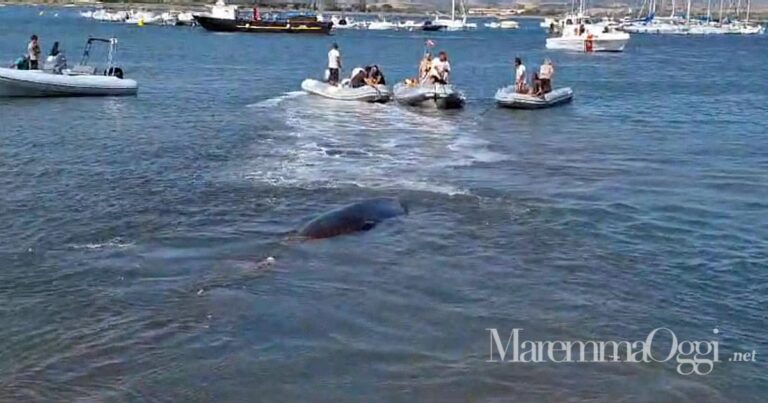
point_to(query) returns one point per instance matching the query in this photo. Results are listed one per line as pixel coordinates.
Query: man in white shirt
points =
(334, 64)
(520, 81)
(546, 71)
(441, 69)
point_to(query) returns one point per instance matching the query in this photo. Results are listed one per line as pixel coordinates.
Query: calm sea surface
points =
(640, 205)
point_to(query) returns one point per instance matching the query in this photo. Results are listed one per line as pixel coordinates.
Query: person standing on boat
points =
(546, 71)
(33, 53)
(334, 64)
(520, 81)
(441, 69)
(425, 66)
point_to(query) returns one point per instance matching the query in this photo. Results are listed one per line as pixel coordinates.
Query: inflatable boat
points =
(56, 79)
(508, 98)
(441, 96)
(367, 93)
(38, 83)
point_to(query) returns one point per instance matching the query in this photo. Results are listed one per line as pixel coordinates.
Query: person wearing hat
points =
(334, 64)
(33, 53)
(546, 71)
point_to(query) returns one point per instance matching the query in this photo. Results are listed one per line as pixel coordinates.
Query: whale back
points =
(360, 216)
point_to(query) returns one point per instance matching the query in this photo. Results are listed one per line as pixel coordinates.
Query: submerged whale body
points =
(360, 216)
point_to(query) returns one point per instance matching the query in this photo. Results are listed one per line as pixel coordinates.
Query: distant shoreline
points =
(760, 14)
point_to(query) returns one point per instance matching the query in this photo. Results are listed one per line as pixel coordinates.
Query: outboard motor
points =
(55, 62)
(115, 72)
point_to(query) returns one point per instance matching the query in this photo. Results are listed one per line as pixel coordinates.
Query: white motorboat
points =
(185, 18)
(143, 17)
(106, 16)
(221, 10)
(381, 25)
(503, 24)
(509, 24)
(507, 97)
(367, 93)
(410, 25)
(57, 80)
(549, 23)
(441, 96)
(344, 22)
(578, 33)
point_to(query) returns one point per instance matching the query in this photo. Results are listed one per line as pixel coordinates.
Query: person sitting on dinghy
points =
(535, 86)
(441, 69)
(521, 87)
(359, 75)
(375, 76)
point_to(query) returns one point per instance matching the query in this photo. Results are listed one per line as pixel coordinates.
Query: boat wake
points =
(275, 101)
(333, 144)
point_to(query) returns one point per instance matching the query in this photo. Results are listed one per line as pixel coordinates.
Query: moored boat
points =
(228, 18)
(578, 33)
(301, 25)
(367, 93)
(441, 96)
(507, 97)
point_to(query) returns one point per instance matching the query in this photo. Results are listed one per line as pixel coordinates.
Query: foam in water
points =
(114, 243)
(273, 102)
(338, 144)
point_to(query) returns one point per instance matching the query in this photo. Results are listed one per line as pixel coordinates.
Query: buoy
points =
(140, 23)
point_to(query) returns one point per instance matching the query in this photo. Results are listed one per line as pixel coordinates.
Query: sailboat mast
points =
(453, 10)
(688, 12)
(738, 9)
(672, 14)
(709, 8)
(749, 2)
(720, 17)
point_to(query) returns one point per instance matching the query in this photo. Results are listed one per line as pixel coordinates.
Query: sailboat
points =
(454, 24)
(651, 24)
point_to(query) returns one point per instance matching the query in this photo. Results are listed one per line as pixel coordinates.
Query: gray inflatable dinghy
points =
(379, 93)
(441, 96)
(507, 97)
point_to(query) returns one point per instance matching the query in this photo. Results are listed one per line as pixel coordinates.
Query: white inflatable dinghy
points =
(441, 96)
(367, 93)
(507, 97)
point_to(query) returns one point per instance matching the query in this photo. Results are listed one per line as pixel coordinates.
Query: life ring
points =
(589, 43)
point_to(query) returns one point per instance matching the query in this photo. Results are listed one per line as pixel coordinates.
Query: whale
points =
(360, 216)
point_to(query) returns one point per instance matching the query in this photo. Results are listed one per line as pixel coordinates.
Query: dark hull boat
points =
(429, 26)
(294, 26)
